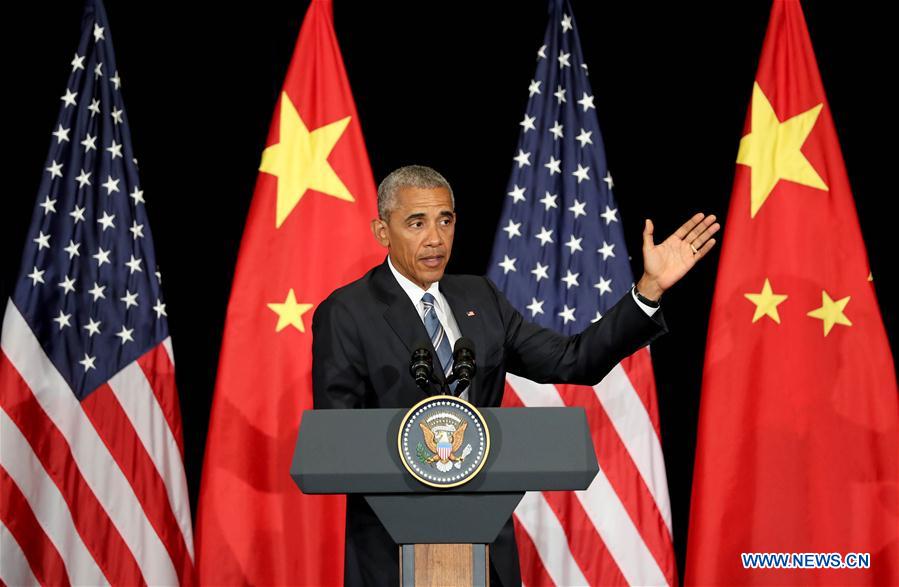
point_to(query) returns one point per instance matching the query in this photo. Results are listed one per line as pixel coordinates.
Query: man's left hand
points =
(665, 263)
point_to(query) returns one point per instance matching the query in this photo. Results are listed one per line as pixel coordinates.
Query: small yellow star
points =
(300, 160)
(290, 313)
(766, 302)
(831, 312)
(773, 149)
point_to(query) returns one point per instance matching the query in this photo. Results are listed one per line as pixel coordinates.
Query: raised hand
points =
(665, 263)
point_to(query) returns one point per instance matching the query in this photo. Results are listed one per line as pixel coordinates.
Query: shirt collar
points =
(412, 290)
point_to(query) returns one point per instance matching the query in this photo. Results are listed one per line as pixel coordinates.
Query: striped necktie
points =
(438, 335)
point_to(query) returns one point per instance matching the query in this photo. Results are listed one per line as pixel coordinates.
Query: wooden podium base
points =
(444, 565)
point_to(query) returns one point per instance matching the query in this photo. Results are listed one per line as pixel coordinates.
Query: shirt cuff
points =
(648, 309)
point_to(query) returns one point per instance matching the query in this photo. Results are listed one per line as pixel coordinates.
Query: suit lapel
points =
(401, 315)
(468, 318)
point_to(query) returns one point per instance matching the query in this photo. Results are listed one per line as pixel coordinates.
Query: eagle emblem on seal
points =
(443, 441)
(444, 434)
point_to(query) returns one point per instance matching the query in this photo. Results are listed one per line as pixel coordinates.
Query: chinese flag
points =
(307, 233)
(798, 441)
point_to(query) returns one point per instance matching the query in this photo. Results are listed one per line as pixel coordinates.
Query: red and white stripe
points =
(94, 492)
(617, 531)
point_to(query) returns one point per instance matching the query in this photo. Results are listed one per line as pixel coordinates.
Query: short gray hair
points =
(411, 176)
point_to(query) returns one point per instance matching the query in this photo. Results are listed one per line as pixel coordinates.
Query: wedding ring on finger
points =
(695, 251)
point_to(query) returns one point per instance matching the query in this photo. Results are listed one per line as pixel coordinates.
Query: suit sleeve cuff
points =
(649, 310)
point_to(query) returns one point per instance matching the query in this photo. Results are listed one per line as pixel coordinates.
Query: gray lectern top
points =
(531, 449)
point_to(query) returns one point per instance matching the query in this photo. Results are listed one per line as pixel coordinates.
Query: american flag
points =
(91, 469)
(560, 257)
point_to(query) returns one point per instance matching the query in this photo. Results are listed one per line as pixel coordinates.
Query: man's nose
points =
(433, 236)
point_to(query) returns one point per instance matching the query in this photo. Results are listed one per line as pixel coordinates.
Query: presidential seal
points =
(443, 441)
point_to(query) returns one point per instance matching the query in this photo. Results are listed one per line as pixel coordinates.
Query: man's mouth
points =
(432, 261)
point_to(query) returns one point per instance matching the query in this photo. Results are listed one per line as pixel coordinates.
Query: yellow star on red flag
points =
(831, 312)
(290, 313)
(766, 302)
(300, 160)
(773, 149)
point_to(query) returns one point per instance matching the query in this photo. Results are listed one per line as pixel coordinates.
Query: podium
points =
(443, 533)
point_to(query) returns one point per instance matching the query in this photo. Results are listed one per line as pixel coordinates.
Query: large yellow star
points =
(300, 160)
(831, 312)
(290, 313)
(773, 150)
(766, 303)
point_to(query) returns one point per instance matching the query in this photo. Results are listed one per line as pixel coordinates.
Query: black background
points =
(445, 84)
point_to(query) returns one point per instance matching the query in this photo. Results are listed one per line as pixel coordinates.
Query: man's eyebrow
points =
(418, 215)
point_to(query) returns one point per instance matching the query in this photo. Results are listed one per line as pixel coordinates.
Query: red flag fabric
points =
(798, 441)
(307, 233)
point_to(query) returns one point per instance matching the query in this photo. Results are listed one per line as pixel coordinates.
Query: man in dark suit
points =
(364, 333)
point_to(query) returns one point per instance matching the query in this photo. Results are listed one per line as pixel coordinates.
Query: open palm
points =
(665, 263)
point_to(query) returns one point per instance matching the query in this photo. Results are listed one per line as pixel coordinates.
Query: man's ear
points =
(379, 229)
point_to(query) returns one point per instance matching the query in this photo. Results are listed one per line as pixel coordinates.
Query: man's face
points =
(419, 233)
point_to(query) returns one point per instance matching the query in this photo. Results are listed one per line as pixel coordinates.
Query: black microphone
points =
(421, 365)
(464, 366)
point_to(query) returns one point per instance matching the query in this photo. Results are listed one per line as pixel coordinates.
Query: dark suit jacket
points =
(363, 336)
